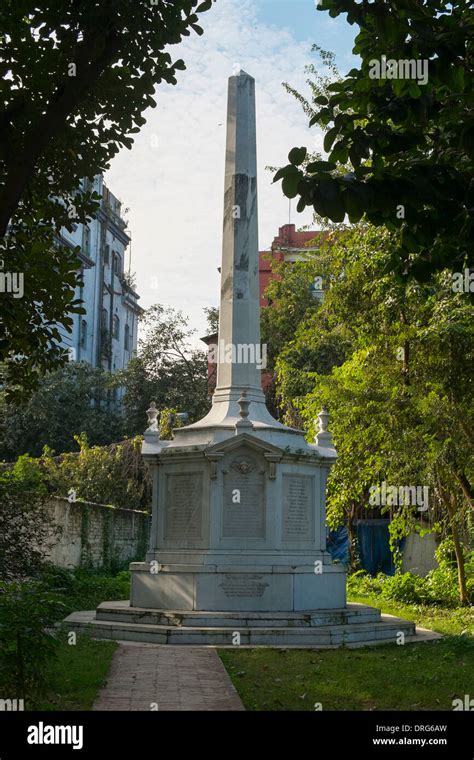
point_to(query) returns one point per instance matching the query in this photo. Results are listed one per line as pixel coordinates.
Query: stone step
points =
(357, 634)
(122, 612)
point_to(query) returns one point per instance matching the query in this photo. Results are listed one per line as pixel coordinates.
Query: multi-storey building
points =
(106, 335)
(289, 245)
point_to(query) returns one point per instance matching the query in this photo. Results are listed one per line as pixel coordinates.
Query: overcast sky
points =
(172, 179)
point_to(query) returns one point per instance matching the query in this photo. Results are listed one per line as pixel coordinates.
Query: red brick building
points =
(289, 245)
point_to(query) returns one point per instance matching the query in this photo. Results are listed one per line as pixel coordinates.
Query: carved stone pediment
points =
(247, 440)
(246, 445)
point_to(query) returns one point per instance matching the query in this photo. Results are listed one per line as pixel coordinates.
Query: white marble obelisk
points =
(239, 320)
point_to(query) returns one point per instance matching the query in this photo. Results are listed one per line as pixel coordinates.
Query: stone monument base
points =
(355, 625)
(226, 588)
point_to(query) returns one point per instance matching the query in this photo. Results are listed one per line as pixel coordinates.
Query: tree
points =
(167, 370)
(319, 85)
(393, 361)
(75, 399)
(76, 79)
(409, 140)
(25, 529)
(212, 316)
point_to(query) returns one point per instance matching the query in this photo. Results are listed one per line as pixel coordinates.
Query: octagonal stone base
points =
(225, 588)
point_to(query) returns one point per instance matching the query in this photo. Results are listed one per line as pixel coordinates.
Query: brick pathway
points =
(146, 677)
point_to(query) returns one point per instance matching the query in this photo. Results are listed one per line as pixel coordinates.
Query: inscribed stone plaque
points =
(298, 508)
(244, 501)
(244, 584)
(183, 515)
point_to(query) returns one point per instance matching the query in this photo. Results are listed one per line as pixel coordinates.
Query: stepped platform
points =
(352, 626)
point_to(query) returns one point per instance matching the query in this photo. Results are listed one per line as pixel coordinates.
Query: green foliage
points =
(393, 361)
(74, 399)
(212, 316)
(320, 79)
(410, 145)
(390, 677)
(76, 674)
(27, 474)
(167, 370)
(115, 475)
(76, 78)
(168, 421)
(27, 613)
(439, 587)
(85, 588)
(25, 524)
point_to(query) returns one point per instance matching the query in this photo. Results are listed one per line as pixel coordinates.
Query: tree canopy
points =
(409, 140)
(167, 370)
(393, 362)
(76, 78)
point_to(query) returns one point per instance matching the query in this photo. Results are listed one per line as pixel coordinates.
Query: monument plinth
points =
(238, 535)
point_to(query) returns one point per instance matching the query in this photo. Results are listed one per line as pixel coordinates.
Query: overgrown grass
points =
(85, 589)
(76, 675)
(425, 676)
(51, 670)
(445, 620)
(438, 588)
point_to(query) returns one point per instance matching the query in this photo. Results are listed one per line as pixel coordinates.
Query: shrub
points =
(25, 529)
(27, 613)
(438, 587)
(85, 589)
(115, 475)
(28, 474)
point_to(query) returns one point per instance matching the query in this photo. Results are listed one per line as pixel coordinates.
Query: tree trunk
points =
(353, 559)
(463, 593)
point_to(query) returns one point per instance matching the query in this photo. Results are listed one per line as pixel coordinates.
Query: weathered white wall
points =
(94, 534)
(419, 554)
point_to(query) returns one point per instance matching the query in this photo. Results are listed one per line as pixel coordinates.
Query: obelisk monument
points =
(238, 535)
(239, 315)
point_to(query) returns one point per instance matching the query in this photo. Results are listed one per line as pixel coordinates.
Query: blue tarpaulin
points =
(372, 546)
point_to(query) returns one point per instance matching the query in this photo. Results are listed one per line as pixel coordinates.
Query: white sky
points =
(172, 180)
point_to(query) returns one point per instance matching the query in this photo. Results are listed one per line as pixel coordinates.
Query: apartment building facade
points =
(106, 335)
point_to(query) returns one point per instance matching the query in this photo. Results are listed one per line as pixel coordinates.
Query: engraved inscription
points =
(244, 514)
(246, 584)
(183, 518)
(298, 508)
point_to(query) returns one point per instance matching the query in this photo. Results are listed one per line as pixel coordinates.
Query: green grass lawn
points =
(76, 675)
(425, 676)
(445, 620)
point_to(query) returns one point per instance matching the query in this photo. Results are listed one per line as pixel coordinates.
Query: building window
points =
(105, 319)
(127, 338)
(116, 327)
(83, 333)
(106, 253)
(117, 264)
(86, 240)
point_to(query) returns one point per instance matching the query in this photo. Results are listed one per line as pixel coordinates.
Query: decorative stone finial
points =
(244, 404)
(323, 436)
(152, 414)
